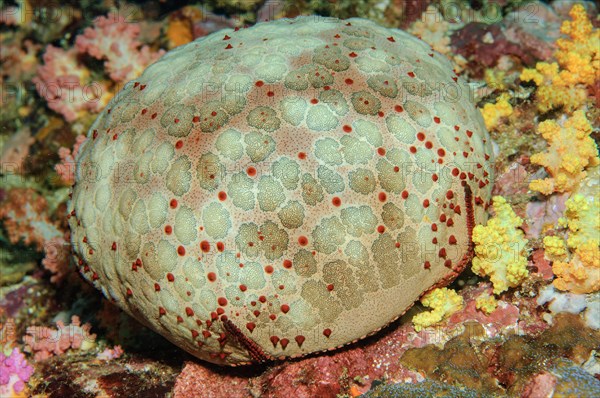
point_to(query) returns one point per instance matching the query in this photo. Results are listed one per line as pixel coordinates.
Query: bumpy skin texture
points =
(283, 189)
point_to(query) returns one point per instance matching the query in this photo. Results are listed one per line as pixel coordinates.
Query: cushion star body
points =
(283, 189)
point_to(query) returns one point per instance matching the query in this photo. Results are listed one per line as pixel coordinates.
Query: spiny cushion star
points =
(283, 189)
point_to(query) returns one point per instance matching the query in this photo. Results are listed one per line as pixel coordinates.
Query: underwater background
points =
(522, 321)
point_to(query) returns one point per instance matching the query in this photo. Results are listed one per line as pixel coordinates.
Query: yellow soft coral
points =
(571, 151)
(580, 56)
(433, 29)
(555, 247)
(582, 273)
(486, 303)
(443, 302)
(564, 83)
(180, 27)
(500, 248)
(494, 79)
(492, 113)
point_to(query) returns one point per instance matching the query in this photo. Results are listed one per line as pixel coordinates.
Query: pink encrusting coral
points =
(66, 84)
(110, 353)
(16, 150)
(10, 16)
(66, 167)
(115, 40)
(502, 318)
(56, 259)
(19, 59)
(24, 215)
(45, 342)
(14, 373)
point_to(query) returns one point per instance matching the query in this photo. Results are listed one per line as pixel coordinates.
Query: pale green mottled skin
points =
(280, 190)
